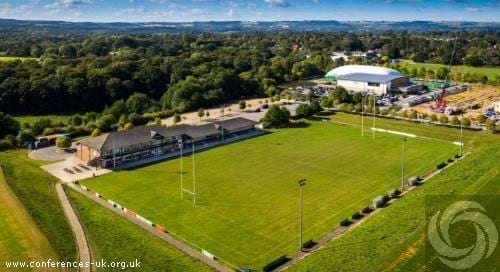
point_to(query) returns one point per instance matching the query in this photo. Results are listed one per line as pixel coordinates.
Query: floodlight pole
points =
(403, 166)
(374, 106)
(113, 127)
(182, 173)
(362, 114)
(222, 124)
(302, 183)
(194, 183)
(461, 134)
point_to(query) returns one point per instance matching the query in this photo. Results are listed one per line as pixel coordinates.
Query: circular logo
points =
(439, 238)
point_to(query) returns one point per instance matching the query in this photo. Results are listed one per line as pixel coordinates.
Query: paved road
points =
(50, 154)
(81, 239)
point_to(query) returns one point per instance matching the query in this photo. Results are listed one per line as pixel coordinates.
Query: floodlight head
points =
(302, 182)
(403, 138)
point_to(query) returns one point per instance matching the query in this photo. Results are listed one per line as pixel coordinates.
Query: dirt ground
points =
(229, 110)
(482, 95)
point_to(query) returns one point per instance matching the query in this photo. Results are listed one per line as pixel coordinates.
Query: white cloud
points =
(277, 3)
(230, 12)
(22, 11)
(472, 9)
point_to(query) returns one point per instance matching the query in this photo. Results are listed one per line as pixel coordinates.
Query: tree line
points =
(186, 71)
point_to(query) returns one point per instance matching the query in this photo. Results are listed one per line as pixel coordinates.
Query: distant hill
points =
(240, 26)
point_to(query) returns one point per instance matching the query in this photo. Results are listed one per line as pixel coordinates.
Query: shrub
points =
(441, 165)
(63, 142)
(4, 145)
(48, 131)
(128, 126)
(345, 222)
(356, 215)
(366, 210)
(276, 117)
(96, 132)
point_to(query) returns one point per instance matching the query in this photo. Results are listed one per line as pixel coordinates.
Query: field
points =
(31, 119)
(490, 72)
(5, 59)
(35, 189)
(247, 192)
(113, 238)
(393, 239)
(20, 238)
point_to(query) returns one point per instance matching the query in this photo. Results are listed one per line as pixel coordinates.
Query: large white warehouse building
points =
(366, 78)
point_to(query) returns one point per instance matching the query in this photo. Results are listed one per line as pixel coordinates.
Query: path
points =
(81, 239)
(165, 237)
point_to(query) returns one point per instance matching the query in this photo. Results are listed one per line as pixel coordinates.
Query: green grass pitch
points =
(247, 192)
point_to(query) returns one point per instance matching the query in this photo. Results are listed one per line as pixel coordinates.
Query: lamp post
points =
(113, 127)
(302, 183)
(374, 106)
(182, 186)
(461, 134)
(403, 166)
(222, 123)
(362, 114)
(194, 183)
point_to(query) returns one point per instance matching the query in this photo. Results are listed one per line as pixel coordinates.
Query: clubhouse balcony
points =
(149, 143)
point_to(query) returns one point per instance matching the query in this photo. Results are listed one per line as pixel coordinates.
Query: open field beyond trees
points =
(6, 58)
(247, 192)
(490, 72)
(31, 119)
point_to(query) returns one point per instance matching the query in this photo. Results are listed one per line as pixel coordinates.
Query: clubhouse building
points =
(149, 142)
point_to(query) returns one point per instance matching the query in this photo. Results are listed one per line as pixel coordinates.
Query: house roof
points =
(95, 142)
(236, 123)
(369, 77)
(201, 130)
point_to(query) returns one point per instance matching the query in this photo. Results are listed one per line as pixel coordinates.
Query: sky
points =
(250, 10)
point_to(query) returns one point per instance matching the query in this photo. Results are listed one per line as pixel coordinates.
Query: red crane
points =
(440, 105)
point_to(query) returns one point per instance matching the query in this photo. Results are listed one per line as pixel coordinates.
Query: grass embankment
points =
(247, 192)
(393, 239)
(114, 238)
(20, 237)
(35, 189)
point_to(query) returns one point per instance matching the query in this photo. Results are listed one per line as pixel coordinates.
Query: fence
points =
(155, 227)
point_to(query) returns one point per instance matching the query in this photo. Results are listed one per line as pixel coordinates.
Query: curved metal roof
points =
(363, 69)
(369, 77)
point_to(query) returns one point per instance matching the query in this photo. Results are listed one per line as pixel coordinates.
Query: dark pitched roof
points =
(368, 77)
(95, 142)
(143, 134)
(236, 123)
(201, 130)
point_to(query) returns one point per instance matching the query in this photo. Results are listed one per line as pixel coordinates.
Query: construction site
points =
(479, 99)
